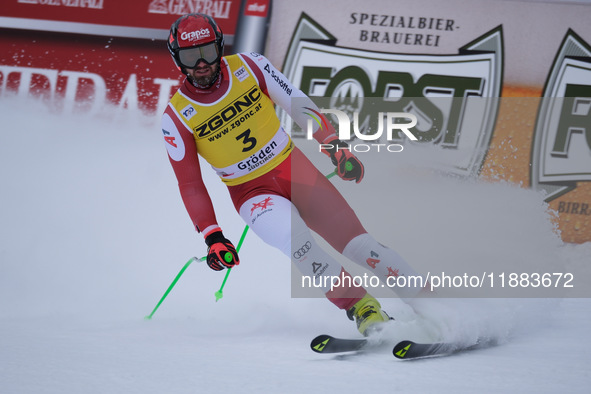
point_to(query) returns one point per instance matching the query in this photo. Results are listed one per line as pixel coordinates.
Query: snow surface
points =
(94, 231)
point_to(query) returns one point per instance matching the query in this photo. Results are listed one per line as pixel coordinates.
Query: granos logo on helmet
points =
(197, 35)
(195, 30)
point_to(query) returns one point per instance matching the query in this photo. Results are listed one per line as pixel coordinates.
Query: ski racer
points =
(224, 111)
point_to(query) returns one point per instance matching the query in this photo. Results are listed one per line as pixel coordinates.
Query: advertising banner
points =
(498, 98)
(97, 56)
(130, 18)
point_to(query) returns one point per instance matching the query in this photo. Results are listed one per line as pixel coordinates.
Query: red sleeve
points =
(182, 153)
(257, 73)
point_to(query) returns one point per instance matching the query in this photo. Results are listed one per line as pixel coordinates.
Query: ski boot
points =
(368, 315)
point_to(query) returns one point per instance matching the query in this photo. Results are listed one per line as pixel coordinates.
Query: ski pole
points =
(187, 264)
(348, 167)
(220, 293)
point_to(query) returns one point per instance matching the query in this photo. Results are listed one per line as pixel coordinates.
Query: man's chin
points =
(203, 81)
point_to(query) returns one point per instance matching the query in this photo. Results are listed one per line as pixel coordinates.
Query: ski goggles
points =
(189, 57)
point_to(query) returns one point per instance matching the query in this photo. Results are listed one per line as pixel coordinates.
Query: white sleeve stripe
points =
(242, 56)
(282, 92)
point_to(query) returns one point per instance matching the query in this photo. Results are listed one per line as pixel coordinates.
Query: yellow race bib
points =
(239, 134)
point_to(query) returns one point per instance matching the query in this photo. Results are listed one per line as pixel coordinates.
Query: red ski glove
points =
(348, 166)
(220, 253)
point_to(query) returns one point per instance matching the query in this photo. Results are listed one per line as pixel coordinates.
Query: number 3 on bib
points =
(247, 140)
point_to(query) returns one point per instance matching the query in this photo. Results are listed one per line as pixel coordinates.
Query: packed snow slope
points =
(94, 231)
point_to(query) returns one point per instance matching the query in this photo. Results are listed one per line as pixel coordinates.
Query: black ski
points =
(403, 350)
(407, 350)
(330, 344)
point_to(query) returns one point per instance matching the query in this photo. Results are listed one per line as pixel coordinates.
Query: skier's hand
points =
(220, 253)
(349, 167)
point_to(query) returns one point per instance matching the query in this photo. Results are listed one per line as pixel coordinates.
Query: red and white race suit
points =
(274, 187)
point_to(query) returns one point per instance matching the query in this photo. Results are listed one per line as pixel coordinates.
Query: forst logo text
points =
(400, 91)
(561, 150)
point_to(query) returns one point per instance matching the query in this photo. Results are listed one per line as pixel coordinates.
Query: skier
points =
(224, 111)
